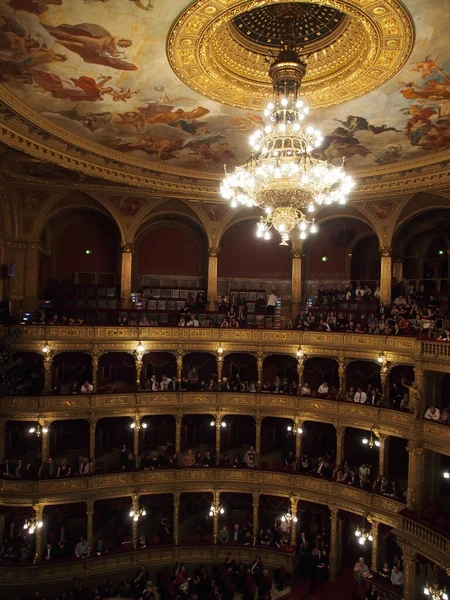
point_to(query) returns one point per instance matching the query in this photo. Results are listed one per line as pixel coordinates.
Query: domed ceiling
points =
(180, 85)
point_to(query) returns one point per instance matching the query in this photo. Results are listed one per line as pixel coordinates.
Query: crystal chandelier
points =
(435, 591)
(372, 440)
(31, 525)
(137, 512)
(282, 175)
(363, 535)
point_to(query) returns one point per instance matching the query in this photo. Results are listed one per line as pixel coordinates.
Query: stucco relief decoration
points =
(381, 209)
(214, 212)
(128, 206)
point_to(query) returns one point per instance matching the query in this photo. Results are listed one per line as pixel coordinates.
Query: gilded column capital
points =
(127, 248)
(296, 254)
(90, 506)
(213, 251)
(386, 251)
(334, 511)
(414, 449)
(255, 497)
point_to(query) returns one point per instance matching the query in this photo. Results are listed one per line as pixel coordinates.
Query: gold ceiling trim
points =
(209, 58)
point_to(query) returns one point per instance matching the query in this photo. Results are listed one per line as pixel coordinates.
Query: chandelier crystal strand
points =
(282, 175)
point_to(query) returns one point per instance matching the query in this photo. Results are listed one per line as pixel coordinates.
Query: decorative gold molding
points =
(372, 47)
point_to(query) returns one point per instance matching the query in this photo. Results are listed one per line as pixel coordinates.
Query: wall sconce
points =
(46, 348)
(372, 440)
(294, 429)
(300, 353)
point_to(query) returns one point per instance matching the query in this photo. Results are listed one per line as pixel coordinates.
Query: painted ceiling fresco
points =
(99, 69)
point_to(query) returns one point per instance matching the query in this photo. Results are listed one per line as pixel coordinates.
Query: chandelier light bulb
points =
(46, 348)
(313, 228)
(446, 475)
(222, 510)
(365, 441)
(377, 443)
(361, 540)
(270, 106)
(284, 102)
(140, 348)
(213, 424)
(283, 519)
(131, 513)
(32, 430)
(132, 425)
(267, 236)
(289, 428)
(144, 425)
(45, 430)
(370, 538)
(299, 430)
(223, 424)
(426, 591)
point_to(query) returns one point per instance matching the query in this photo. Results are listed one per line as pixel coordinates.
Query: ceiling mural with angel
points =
(99, 69)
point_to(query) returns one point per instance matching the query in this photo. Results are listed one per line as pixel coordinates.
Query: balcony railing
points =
(427, 535)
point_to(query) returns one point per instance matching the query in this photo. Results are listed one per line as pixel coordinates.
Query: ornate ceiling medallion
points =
(220, 48)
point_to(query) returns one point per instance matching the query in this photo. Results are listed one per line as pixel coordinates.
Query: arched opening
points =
(25, 375)
(114, 444)
(196, 525)
(332, 257)
(69, 440)
(170, 264)
(235, 524)
(65, 530)
(116, 373)
(112, 525)
(248, 264)
(156, 528)
(198, 434)
(70, 371)
(422, 243)
(199, 368)
(320, 370)
(240, 367)
(280, 373)
(82, 274)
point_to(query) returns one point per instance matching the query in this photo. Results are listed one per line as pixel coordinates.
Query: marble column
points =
(382, 456)
(409, 557)
(298, 438)
(134, 524)
(340, 435)
(39, 533)
(90, 525)
(178, 423)
(180, 355)
(415, 476)
(259, 367)
(45, 441)
(342, 366)
(216, 502)
(95, 355)
(258, 421)
(92, 429)
(333, 542)
(293, 507)
(296, 282)
(48, 367)
(255, 516)
(212, 293)
(136, 437)
(386, 275)
(374, 550)
(125, 275)
(176, 518)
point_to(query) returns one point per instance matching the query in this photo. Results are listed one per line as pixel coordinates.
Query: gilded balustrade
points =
(336, 496)
(154, 558)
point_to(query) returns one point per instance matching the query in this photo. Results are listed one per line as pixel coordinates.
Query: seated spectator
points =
(360, 396)
(306, 390)
(87, 388)
(372, 593)
(432, 414)
(225, 461)
(361, 571)
(208, 460)
(189, 458)
(396, 576)
(305, 465)
(341, 474)
(323, 390)
(49, 469)
(223, 535)
(236, 534)
(64, 470)
(352, 478)
(289, 461)
(404, 403)
(323, 467)
(385, 572)
(193, 321)
(198, 462)
(85, 467)
(350, 395)
(182, 321)
(81, 549)
(237, 462)
(444, 337)
(129, 464)
(250, 458)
